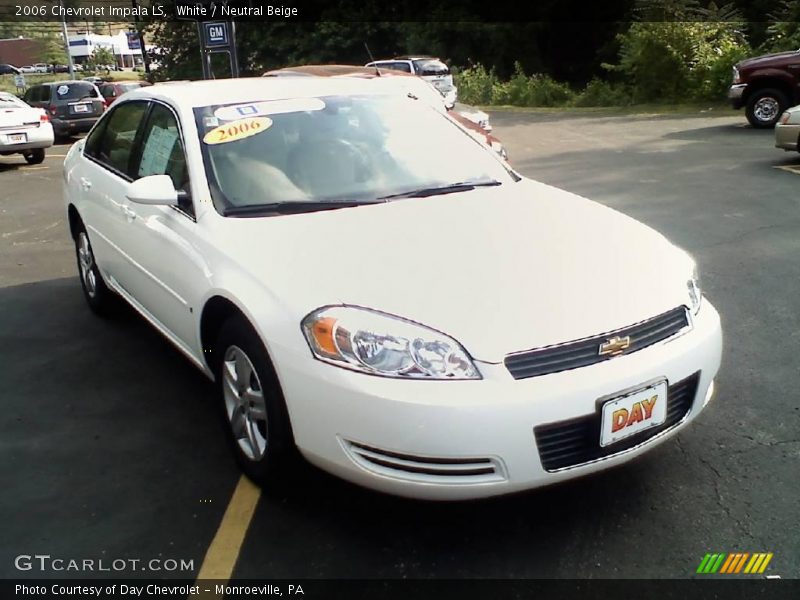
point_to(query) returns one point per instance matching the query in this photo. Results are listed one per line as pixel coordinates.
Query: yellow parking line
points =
(788, 168)
(223, 552)
(56, 156)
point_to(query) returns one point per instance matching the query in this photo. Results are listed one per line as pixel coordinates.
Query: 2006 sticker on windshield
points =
(237, 130)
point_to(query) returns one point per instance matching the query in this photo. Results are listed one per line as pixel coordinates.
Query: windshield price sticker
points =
(272, 107)
(237, 130)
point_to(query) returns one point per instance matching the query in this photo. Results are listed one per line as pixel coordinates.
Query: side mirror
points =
(153, 189)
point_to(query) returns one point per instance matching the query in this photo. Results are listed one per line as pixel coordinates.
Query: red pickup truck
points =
(766, 86)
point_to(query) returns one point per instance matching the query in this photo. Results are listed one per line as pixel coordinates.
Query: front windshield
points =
(336, 149)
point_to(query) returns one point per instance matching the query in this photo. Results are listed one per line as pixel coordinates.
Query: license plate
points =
(81, 108)
(16, 138)
(633, 413)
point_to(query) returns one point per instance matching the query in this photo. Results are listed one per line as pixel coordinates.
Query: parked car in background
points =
(367, 284)
(95, 79)
(766, 86)
(787, 130)
(27, 69)
(6, 69)
(471, 118)
(40, 67)
(114, 89)
(73, 106)
(429, 68)
(23, 129)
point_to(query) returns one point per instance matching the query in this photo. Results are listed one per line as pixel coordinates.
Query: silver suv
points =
(429, 68)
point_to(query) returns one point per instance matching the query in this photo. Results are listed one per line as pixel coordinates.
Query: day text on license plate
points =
(632, 413)
(81, 108)
(16, 138)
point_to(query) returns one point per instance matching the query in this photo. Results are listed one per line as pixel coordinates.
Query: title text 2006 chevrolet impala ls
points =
(367, 282)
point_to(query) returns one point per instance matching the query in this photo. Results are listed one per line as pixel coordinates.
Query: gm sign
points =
(216, 34)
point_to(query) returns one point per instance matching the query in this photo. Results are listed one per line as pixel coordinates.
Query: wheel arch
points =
(75, 221)
(769, 81)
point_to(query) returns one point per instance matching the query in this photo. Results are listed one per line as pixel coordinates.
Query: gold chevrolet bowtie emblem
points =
(615, 346)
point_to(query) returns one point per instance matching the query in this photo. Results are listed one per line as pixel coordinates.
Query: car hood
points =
(501, 269)
(768, 60)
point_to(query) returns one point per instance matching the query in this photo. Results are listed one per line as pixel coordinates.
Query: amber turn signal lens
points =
(322, 332)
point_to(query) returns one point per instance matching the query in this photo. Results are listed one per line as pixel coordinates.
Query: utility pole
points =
(141, 38)
(66, 40)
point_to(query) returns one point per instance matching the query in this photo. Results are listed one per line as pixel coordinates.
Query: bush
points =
(602, 93)
(475, 84)
(679, 61)
(533, 90)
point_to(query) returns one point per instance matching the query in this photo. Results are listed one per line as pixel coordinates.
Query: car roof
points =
(67, 82)
(228, 91)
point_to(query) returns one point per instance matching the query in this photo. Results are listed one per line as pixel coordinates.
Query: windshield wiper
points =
(450, 188)
(290, 207)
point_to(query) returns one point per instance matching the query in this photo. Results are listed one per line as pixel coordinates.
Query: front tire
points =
(253, 408)
(764, 108)
(35, 157)
(99, 298)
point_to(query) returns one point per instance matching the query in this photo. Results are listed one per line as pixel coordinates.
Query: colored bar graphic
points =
(765, 563)
(734, 563)
(731, 559)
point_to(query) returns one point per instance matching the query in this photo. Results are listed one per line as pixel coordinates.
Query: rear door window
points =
(113, 143)
(75, 91)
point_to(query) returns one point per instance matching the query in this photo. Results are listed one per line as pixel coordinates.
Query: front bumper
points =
(736, 94)
(786, 136)
(447, 440)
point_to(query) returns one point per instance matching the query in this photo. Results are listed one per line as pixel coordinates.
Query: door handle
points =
(130, 214)
(86, 184)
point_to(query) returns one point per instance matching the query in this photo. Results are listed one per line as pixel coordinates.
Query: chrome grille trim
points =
(585, 352)
(424, 468)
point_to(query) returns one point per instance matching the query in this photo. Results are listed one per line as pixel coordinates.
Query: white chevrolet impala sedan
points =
(367, 283)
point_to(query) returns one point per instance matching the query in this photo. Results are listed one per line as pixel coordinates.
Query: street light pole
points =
(66, 40)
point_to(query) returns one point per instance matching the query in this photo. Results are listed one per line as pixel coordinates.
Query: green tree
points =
(685, 55)
(101, 56)
(53, 52)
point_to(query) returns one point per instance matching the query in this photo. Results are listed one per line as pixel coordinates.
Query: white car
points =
(428, 68)
(366, 282)
(28, 69)
(23, 129)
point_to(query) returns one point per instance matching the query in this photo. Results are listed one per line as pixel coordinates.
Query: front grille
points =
(424, 468)
(582, 353)
(577, 441)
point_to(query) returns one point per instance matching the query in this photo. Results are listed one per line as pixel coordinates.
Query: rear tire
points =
(35, 157)
(764, 107)
(99, 297)
(252, 404)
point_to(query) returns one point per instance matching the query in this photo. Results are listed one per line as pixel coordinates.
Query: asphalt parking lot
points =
(110, 444)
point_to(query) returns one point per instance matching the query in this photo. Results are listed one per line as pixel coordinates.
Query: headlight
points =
(785, 117)
(379, 344)
(695, 292)
(736, 77)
